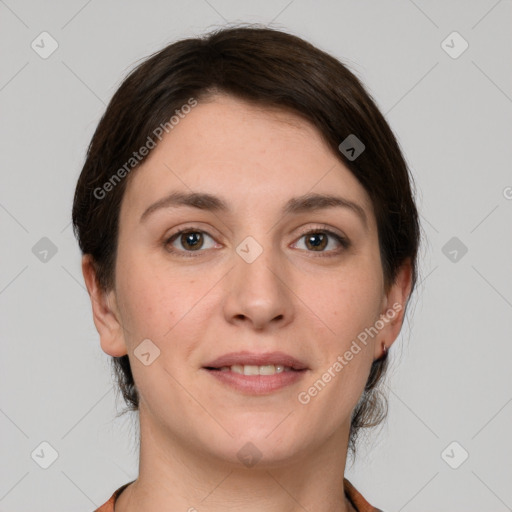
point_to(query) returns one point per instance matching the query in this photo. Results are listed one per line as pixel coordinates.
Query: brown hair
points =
(273, 69)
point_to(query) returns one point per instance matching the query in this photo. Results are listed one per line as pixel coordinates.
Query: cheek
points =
(349, 304)
(147, 308)
(346, 302)
(159, 303)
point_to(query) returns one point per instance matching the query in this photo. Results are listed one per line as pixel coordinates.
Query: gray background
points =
(450, 378)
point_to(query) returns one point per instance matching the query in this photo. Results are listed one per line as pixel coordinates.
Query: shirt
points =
(357, 500)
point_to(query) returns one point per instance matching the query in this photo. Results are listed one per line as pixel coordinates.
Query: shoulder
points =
(357, 499)
(109, 505)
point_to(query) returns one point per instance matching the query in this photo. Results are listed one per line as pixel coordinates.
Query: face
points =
(271, 271)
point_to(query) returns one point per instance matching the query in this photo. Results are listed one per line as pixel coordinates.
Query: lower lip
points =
(257, 384)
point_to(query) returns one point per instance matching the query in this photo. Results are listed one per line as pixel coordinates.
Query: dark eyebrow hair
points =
(305, 203)
(313, 201)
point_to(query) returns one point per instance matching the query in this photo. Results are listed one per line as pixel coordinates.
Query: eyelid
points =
(319, 228)
(342, 239)
(168, 239)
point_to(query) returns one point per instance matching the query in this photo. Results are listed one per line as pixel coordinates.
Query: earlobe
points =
(104, 309)
(393, 312)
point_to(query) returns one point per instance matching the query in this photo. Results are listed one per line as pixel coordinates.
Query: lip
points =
(253, 358)
(257, 384)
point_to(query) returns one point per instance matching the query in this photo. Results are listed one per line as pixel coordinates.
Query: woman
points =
(249, 241)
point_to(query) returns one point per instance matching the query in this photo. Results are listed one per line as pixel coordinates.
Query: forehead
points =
(251, 154)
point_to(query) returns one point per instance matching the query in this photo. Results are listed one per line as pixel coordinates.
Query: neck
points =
(174, 476)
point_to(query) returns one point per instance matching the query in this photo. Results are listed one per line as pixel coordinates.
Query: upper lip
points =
(253, 358)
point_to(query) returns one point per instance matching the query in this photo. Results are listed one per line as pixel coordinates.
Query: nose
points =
(259, 293)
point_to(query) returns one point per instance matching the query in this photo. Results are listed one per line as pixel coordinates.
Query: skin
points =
(292, 298)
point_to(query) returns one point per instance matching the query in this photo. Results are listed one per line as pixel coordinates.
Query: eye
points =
(194, 240)
(191, 240)
(317, 240)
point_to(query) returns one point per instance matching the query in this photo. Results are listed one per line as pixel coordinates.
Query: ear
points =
(393, 308)
(105, 312)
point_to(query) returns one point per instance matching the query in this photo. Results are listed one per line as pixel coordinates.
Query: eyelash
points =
(344, 242)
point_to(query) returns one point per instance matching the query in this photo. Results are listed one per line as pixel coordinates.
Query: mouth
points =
(250, 369)
(256, 374)
(248, 363)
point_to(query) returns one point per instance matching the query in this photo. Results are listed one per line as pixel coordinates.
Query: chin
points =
(260, 448)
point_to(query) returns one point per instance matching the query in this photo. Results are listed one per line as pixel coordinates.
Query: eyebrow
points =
(302, 204)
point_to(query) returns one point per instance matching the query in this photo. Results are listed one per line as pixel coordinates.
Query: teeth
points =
(249, 369)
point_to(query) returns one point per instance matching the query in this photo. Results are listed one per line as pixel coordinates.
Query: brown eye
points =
(187, 241)
(316, 241)
(192, 240)
(319, 240)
